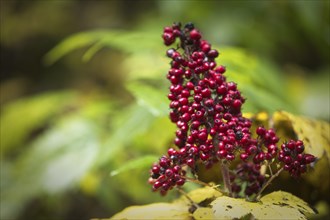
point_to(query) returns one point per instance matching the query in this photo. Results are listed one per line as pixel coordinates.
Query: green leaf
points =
(122, 40)
(74, 42)
(253, 76)
(142, 162)
(21, 117)
(146, 64)
(155, 211)
(55, 161)
(153, 99)
(129, 123)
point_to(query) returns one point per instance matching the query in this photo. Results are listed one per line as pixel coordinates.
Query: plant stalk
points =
(268, 183)
(197, 181)
(226, 178)
(187, 197)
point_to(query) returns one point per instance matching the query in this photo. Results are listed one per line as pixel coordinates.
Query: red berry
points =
(261, 131)
(206, 48)
(222, 153)
(206, 93)
(169, 173)
(300, 148)
(230, 157)
(204, 156)
(213, 54)
(180, 182)
(195, 35)
(171, 152)
(309, 158)
(202, 136)
(168, 30)
(291, 145)
(237, 103)
(157, 184)
(155, 169)
(186, 117)
(244, 156)
(168, 38)
(221, 69)
(232, 86)
(191, 162)
(287, 160)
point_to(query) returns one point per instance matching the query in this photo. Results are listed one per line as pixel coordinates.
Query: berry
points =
(213, 53)
(195, 35)
(261, 131)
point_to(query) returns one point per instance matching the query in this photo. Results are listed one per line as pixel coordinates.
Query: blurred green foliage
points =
(83, 91)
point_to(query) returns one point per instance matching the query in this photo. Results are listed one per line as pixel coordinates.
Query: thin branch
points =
(270, 170)
(202, 183)
(268, 183)
(197, 181)
(226, 177)
(187, 197)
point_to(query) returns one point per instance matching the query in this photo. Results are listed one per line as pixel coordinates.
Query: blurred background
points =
(83, 92)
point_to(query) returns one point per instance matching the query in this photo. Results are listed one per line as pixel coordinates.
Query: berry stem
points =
(226, 178)
(197, 181)
(270, 170)
(187, 197)
(268, 183)
(202, 183)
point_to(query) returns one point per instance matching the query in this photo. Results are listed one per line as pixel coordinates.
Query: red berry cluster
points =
(207, 111)
(295, 161)
(167, 173)
(266, 140)
(248, 175)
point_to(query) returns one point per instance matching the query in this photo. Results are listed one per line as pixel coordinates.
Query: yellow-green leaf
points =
(277, 205)
(155, 211)
(200, 195)
(21, 117)
(203, 214)
(281, 198)
(141, 162)
(228, 208)
(149, 97)
(314, 133)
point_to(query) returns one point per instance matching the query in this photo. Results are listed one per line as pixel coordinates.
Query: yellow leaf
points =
(155, 211)
(203, 214)
(281, 198)
(228, 208)
(277, 205)
(200, 195)
(318, 177)
(277, 212)
(314, 133)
